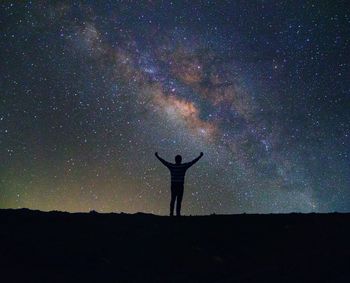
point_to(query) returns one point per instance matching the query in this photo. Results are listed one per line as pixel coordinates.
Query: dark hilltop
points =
(91, 247)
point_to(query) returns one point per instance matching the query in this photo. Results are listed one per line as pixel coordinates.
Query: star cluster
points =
(90, 90)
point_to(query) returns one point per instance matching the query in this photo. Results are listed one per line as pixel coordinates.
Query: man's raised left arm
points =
(166, 163)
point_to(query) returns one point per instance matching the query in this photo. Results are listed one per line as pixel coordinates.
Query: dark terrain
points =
(91, 247)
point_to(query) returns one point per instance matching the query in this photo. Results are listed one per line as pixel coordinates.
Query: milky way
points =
(89, 91)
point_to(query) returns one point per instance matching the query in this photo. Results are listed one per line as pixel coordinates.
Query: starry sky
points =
(91, 90)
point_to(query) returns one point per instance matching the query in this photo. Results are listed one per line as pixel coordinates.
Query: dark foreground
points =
(63, 247)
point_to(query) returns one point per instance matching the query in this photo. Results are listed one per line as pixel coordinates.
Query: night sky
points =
(91, 90)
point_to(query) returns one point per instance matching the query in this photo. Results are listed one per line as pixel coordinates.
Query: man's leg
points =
(180, 193)
(172, 201)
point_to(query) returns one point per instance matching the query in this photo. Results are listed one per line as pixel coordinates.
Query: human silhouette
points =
(177, 172)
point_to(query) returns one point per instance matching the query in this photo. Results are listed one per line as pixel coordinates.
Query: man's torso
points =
(178, 173)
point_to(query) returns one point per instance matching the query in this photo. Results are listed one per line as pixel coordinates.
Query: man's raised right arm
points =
(189, 164)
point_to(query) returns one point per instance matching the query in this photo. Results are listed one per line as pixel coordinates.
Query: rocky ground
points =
(91, 247)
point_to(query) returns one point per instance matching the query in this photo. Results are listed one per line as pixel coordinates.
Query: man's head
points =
(178, 159)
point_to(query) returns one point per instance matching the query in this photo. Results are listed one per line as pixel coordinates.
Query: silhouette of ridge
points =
(57, 246)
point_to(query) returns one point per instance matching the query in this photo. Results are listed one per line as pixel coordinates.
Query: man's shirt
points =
(178, 171)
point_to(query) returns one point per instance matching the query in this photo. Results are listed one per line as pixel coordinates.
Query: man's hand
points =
(201, 154)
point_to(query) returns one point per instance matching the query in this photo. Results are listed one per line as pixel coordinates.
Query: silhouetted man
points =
(177, 172)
